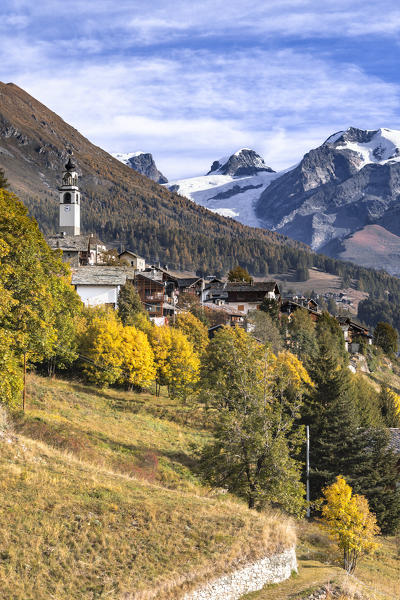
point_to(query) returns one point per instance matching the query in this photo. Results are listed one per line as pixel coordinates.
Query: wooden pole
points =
(24, 392)
(308, 471)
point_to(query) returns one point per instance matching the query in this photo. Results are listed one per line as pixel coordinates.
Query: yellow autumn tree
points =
(160, 339)
(389, 404)
(137, 358)
(184, 365)
(194, 330)
(289, 378)
(101, 345)
(349, 521)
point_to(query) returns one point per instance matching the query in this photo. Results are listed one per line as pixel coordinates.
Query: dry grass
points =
(73, 527)
(136, 434)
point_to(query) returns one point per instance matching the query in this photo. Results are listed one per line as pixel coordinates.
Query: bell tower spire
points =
(70, 198)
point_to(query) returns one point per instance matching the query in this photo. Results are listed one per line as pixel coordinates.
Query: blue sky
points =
(191, 82)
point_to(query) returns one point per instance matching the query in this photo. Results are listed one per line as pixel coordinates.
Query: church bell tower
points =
(70, 198)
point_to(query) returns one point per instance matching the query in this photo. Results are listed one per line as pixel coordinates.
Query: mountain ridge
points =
(142, 162)
(337, 188)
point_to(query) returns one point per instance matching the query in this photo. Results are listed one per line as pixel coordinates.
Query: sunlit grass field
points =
(99, 498)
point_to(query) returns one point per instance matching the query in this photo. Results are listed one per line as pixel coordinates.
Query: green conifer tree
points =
(336, 443)
(376, 477)
(3, 179)
(129, 304)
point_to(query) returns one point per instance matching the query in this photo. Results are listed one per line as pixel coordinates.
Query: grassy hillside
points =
(98, 499)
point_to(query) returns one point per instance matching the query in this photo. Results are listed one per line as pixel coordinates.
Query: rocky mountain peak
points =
(371, 145)
(352, 134)
(243, 162)
(143, 162)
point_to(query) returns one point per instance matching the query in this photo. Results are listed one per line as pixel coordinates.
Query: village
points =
(99, 273)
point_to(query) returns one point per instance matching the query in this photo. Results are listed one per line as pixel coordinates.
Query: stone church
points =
(78, 249)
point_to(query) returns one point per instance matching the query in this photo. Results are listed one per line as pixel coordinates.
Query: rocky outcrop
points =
(250, 578)
(243, 162)
(143, 162)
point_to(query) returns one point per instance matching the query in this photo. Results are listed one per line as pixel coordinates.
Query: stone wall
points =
(250, 578)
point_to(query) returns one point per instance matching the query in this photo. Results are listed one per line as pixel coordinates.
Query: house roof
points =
(256, 286)
(187, 281)
(73, 243)
(395, 439)
(99, 275)
(130, 253)
(142, 275)
(352, 324)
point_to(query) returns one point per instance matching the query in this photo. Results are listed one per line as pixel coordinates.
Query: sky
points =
(193, 81)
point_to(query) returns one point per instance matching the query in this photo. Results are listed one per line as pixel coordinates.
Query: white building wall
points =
(244, 306)
(95, 295)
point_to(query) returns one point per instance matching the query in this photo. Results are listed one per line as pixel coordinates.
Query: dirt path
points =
(312, 574)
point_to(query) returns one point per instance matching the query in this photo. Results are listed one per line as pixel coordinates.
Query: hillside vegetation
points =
(87, 516)
(101, 499)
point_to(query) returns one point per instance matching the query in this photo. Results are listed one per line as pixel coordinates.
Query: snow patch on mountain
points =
(125, 157)
(226, 195)
(377, 146)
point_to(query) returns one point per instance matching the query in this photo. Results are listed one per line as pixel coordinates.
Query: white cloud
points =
(98, 66)
(197, 106)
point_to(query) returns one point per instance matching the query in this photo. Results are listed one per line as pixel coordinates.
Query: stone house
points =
(241, 296)
(133, 260)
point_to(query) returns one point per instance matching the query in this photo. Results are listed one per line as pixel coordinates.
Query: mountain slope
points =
(142, 162)
(373, 246)
(118, 203)
(347, 183)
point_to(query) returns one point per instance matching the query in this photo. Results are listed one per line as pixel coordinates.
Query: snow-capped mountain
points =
(142, 162)
(244, 162)
(349, 182)
(231, 187)
(372, 146)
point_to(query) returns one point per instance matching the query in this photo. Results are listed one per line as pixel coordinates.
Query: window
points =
(67, 198)
(241, 307)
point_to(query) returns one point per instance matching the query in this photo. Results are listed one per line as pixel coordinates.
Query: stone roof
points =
(187, 281)
(256, 286)
(99, 275)
(73, 243)
(130, 253)
(395, 439)
(144, 275)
